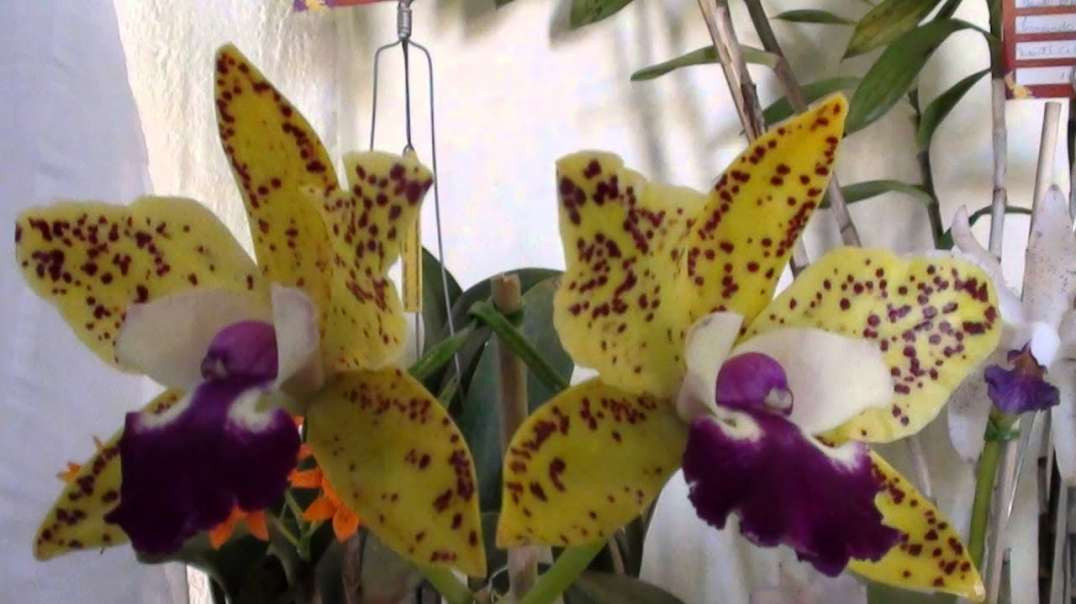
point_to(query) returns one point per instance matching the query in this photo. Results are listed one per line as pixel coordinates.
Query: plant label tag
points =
(1040, 48)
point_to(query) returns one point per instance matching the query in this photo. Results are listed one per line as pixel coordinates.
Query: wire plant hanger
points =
(414, 255)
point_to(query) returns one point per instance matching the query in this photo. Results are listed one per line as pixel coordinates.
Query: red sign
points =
(1040, 47)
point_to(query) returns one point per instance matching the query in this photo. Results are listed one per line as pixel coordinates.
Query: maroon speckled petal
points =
(184, 470)
(786, 488)
(1021, 388)
(754, 381)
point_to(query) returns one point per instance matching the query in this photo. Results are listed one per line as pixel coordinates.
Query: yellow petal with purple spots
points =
(278, 162)
(365, 328)
(93, 260)
(645, 260)
(934, 319)
(930, 555)
(586, 463)
(77, 519)
(395, 457)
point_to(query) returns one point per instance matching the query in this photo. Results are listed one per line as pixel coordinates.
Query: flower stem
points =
(284, 531)
(997, 434)
(571, 563)
(446, 584)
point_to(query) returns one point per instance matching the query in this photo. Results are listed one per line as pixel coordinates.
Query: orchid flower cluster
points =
(283, 374)
(311, 333)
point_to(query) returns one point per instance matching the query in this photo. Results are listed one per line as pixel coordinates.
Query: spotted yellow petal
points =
(586, 463)
(77, 519)
(395, 458)
(278, 161)
(93, 260)
(645, 260)
(930, 556)
(365, 327)
(934, 319)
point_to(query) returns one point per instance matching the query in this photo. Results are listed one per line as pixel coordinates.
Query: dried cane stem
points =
(718, 22)
(783, 71)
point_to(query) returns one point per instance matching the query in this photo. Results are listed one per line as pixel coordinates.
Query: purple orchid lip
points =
(183, 471)
(243, 349)
(1022, 388)
(786, 489)
(753, 381)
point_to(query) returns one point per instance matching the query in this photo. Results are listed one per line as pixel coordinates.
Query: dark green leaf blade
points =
(886, 22)
(600, 588)
(585, 12)
(813, 15)
(434, 310)
(702, 56)
(782, 109)
(940, 107)
(895, 70)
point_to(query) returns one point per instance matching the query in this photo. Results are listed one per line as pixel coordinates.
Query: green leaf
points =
(702, 56)
(438, 356)
(585, 12)
(598, 588)
(812, 15)
(896, 70)
(887, 22)
(872, 188)
(947, 9)
(468, 355)
(480, 420)
(884, 594)
(940, 107)
(782, 109)
(434, 310)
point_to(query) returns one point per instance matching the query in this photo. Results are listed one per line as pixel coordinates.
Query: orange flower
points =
(327, 505)
(255, 521)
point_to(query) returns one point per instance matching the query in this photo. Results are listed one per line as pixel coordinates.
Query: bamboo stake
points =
(719, 23)
(508, 298)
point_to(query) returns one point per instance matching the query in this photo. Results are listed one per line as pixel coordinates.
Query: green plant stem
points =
(517, 342)
(998, 427)
(571, 563)
(439, 355)
(446, 584)
(284, 531)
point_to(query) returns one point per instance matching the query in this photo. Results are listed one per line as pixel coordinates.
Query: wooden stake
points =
(508, 298)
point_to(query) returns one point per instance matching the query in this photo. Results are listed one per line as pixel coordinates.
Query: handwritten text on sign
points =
(1040, 47)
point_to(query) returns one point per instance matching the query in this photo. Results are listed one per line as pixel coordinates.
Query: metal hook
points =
(403, 33)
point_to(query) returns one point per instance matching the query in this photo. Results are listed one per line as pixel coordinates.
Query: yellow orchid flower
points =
(160, 287)
(766, 402)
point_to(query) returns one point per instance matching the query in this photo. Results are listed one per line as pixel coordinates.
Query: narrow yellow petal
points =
(93, 260)
(396, 459)
(77, 519)
(280, 167)
(586, 463)
(365, 327)
(645, 260)
(934, 319)
(930, 556)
